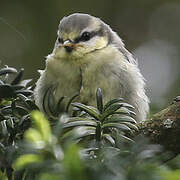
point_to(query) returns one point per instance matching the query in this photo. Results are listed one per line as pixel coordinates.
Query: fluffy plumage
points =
(99, 60)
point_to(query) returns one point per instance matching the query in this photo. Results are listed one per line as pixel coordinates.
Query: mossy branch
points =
(164, 128)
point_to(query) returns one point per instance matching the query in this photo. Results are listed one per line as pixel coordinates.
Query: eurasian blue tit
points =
(88, 55)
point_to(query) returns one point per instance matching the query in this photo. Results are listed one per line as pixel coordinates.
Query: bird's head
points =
(79, 35)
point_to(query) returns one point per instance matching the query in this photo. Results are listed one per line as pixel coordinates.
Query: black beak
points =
(68, 49)
(69, 46)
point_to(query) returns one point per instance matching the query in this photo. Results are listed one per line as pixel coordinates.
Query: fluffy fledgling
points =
(89, 55)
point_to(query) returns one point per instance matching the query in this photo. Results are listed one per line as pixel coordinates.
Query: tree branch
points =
(164, 128)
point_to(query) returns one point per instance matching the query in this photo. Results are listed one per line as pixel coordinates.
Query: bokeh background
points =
(149, 28)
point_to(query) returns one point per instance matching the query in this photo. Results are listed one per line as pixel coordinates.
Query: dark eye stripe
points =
(60, 40)
(84, 37)
(91, 35)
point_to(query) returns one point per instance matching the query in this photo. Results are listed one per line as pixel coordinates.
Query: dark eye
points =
(60, 40)
(85, 36)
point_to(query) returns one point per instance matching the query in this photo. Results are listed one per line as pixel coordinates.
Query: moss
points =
(163, 128)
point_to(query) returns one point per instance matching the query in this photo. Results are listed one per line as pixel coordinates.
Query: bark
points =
(164, 128)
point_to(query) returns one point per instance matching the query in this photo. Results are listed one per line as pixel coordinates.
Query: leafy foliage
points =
(103, 124)
(91, 143)
(15, 105)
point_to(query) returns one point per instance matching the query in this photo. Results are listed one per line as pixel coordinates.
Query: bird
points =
(88, 55)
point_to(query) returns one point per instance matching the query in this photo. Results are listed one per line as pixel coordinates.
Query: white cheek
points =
(92, 42)
(96, 42)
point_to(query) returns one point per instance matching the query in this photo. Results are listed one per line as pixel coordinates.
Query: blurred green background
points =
(149, 28)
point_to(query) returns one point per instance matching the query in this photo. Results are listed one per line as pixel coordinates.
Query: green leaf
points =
(79, 123)
(81, 119)
(25, 82)
(6, 110)
(110, 110)
(1, 82)
(7, 70)
(120, 118)
(171, 175)
(122, 104)
(58, 107)
(26, 160)
(113, 101)
(22, 97)
(10, 122)
(42, 125)
(32, 135)
(125, 138)
(99, 100)
(48, 176)
(70, 101)
(4, 127)
(31, 104)
(79, 132)
(132, 113)
(3, 176)
(2, 118)
(84, 133)
(123, 110)
(72, 164)
(98, 132)
(110, 139)
(17, 87)
(127, 105)
(18, 78)
(18, 110)
(88, 109)
(51, 102)
(122, 127)
(130, 125)
(46, 100)
(24, 118)
(25, 92)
